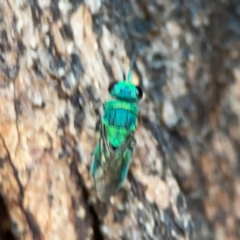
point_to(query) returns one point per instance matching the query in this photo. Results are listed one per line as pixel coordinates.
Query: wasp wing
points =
(109, 166)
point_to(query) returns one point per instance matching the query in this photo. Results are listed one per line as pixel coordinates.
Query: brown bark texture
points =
(57, 59)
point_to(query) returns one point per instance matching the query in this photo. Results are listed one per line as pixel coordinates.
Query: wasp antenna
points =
(129, 75)
(124, 76)
(131, 67)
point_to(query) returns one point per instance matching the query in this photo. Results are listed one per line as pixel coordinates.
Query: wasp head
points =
(125, 90)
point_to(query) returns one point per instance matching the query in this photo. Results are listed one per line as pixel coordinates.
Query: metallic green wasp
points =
(112, 155)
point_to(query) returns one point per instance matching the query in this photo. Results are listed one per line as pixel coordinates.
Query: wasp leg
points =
(95, 161)
(98, 125)
(125, 165)
(132, 145)
(127, 149)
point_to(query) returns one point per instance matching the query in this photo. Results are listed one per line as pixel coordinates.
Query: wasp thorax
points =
(125, 90)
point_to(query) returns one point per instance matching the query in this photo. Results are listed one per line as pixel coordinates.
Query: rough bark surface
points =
(57, 59)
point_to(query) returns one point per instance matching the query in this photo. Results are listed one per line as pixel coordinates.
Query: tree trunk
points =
(57, 59)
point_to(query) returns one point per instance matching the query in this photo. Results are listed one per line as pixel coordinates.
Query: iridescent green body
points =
(112, 155)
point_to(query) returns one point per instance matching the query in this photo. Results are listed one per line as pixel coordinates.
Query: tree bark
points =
(57, 59)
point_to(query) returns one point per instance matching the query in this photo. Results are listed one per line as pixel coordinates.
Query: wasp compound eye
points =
(139, 92)
(112, 86)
